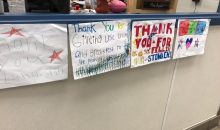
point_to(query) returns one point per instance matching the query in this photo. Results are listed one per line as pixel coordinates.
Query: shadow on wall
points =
(219, 7)
(218, 111)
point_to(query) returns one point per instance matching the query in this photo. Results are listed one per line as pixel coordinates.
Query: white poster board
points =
(152, 41)
(191, 37)
(32, 54)
(99, 47)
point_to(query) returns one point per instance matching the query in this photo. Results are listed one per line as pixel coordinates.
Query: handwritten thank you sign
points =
(31, 54)
(99, 47)
(151, 41)
(191, 37)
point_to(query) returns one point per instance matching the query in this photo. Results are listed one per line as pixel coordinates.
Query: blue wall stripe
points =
(72, 18)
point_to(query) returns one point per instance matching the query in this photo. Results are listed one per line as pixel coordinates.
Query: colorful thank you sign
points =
(191, 37)
(31, 54)
(151, 41)
(99, 47)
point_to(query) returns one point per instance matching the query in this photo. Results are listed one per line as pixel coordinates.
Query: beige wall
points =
(171, 95)
(195, 94)
(130, 99)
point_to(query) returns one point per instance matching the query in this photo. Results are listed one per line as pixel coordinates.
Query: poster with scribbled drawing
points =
(99, 47)
(151, 41)
(191, 37)
(32, 54)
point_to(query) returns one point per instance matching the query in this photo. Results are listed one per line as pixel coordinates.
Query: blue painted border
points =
(72, 18)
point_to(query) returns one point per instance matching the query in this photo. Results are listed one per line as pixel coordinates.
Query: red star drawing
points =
(55, 55)
(14, 31)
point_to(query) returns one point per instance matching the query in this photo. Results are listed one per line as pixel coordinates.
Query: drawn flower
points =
(140, 54)
(134, 53)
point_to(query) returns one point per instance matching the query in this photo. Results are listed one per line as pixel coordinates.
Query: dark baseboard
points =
(207, 125)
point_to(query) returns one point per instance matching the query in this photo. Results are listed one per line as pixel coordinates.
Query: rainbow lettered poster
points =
(191, 37)
(151, 41)
(99, 47)
(32, 54)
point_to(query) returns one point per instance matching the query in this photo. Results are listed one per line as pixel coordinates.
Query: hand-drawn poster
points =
(32, 54)
(191, 37)
(151, 41)
(99, 47)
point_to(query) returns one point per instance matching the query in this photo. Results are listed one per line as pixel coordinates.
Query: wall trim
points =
(207, 124)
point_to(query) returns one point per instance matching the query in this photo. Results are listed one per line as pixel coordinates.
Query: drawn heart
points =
(188, 42)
